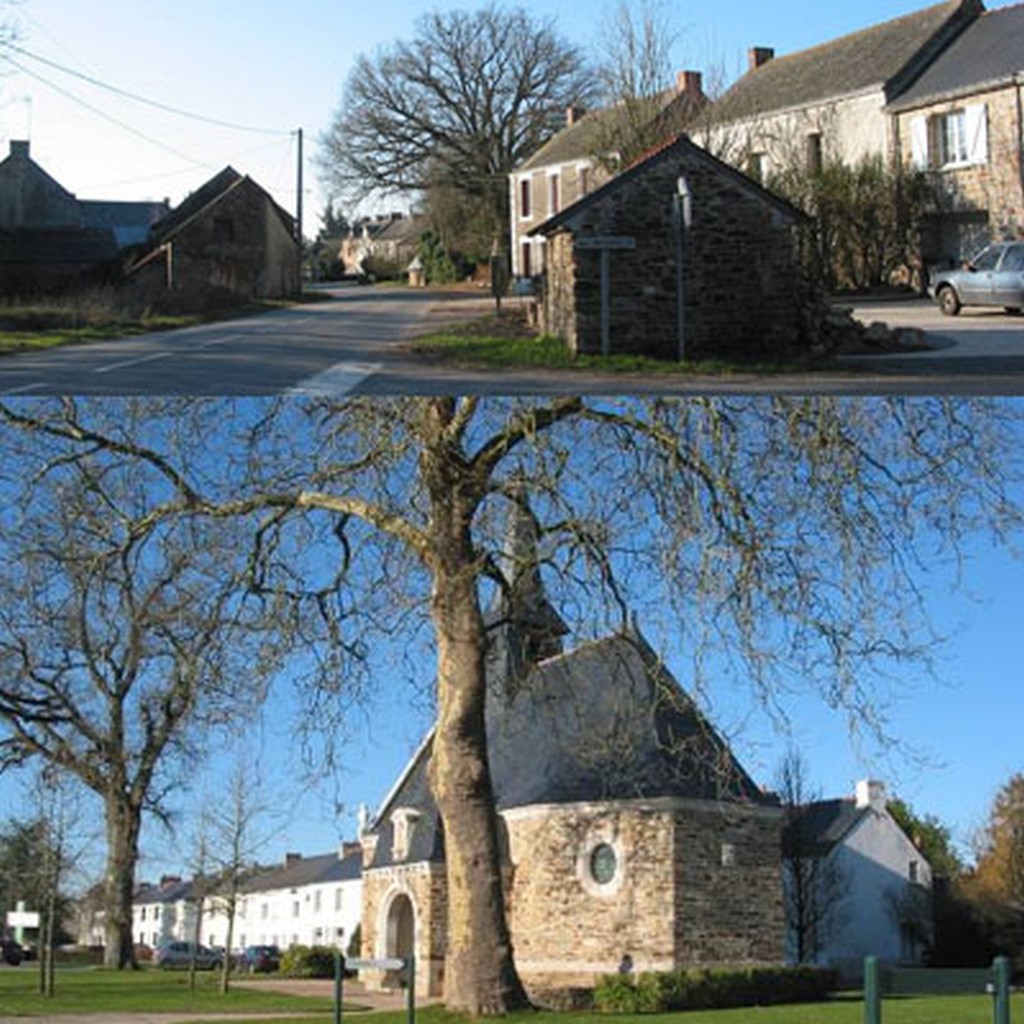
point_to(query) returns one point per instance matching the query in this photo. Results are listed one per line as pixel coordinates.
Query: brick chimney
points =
(758, 56)
(690, 83)
(292, 858)
(20, 149)
(572, 115)
(871, 793)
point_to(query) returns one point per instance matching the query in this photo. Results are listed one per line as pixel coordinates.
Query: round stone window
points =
(603, 864)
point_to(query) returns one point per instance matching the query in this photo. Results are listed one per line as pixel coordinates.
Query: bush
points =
(712, 988)
(308, 962)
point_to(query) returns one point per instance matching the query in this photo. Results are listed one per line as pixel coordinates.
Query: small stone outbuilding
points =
(619, 259)
(631, 834)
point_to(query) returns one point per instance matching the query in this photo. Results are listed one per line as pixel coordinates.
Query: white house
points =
(867, 887)
(304, 901)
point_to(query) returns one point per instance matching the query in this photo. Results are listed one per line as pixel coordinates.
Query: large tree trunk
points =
(124, 822)
(480, 973)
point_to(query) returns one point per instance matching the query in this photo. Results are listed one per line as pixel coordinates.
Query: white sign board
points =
(22, 919)
(387, 964)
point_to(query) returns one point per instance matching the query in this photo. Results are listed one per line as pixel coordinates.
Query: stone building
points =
(630, 831)
(961, 122)
(228, 240)
(625, 260)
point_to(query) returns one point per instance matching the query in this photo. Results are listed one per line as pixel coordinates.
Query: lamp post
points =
(683, 208)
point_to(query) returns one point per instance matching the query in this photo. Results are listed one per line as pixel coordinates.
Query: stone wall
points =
(673, 903)
(424, 884)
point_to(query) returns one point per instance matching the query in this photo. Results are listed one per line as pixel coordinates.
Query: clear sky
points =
(279, 67)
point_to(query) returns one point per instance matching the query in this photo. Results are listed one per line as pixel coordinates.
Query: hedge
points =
(308, 962)
(712, 988)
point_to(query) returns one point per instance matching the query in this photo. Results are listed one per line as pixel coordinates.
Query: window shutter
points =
(976, 122)
(919, 143)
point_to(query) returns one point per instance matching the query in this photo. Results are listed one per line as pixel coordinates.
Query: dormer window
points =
(403, 822)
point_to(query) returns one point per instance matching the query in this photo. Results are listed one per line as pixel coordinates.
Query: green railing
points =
(881, 981)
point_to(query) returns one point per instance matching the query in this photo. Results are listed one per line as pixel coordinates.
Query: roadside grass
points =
(36, 325)
(503, 342)
(95, 990)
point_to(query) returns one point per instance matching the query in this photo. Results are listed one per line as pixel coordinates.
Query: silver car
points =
(171, 955)
(995, 277)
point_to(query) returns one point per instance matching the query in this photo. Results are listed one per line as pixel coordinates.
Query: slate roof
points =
(129, 221)
(816, 829)
(890, 56)
(57, 246)
(577, 141)
(300, 871)
(670, 149)
(988, 52)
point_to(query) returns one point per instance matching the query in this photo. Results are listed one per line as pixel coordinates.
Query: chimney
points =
(758, 56)
(20, 149)
(166, 880)
(347, 850)
(690, 83)
(871, 793)
(291, 858)
(572, 115)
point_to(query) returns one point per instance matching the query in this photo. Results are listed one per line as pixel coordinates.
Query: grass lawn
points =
(504, 342)
(94, 990)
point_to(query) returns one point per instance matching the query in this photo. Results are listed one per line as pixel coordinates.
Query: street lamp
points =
(683, 208)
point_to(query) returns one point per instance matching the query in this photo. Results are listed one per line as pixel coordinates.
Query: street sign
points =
(387, 964)
(22, 919)
(605, 242)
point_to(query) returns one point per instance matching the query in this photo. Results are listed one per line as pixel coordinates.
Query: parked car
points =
(995, 277)
(179, 955)
(260, 959)
(11, 952)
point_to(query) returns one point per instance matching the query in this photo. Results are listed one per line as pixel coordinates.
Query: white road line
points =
(25, 388)
(132, 362)
(339, 379)
(217, 341)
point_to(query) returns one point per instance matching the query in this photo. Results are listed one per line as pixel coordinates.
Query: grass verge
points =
(502, 342)
(95, 990)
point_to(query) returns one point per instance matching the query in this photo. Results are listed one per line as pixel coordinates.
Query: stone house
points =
(228, 239)
(630, 831)
(315, 900)
(573, 163)
(874, 885)
(635, 267)
(961, 122)
(829, 103)
(50, 240)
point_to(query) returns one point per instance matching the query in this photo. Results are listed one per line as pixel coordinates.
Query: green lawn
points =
(95, 990)
(500, 343)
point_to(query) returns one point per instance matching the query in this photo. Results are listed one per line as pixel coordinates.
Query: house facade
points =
(315, 900)
(829, 103)
(873, 885)
(637, 267)
(630, 832)
(571, 165)
(961, 123)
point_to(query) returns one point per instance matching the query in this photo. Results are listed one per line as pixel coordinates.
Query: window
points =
(1014, 259)
(955, 138)
(914, 871)
(756, 166)
(265, 911)
(296, 908)
(525, 197)
(603, 863)
(143, 914)
(814, 153)
(337, 898)
(223, 229)
(584, 174)
(316, 900)
(525, 261)
(554, 194)
(728, 855)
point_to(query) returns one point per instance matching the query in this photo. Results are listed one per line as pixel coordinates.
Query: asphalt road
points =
(356, 343)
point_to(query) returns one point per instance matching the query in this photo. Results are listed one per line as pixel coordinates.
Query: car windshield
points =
(987, 259)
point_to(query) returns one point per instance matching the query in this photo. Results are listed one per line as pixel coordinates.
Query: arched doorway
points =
(401, 930)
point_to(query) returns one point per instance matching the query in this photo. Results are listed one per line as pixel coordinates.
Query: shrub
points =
(711, 988)
(308, 962)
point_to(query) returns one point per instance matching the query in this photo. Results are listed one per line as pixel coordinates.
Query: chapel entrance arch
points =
(400, 932)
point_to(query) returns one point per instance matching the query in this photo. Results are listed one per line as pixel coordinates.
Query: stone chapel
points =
(632, 835)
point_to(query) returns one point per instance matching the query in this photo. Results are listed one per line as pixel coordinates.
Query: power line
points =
(125, 94)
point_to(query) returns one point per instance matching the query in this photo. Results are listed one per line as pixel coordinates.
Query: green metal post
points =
(412, 988)
(338, 974)
(1001, 1000)
(872, 992)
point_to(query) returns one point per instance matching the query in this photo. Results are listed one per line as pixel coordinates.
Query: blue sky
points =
(281, 67)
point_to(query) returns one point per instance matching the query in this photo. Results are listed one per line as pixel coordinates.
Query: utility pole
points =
(299, 192)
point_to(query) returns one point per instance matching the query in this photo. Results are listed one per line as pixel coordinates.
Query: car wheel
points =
(949, 301)
(1012, 310)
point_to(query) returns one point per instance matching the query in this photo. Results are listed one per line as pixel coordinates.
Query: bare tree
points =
(787, 534)
(812, 881)
(118, 647)
(456, 108)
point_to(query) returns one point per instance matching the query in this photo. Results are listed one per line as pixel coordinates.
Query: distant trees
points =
(455, 108)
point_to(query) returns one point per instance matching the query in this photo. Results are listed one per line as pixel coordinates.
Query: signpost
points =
(407, 965)
(21, 919)
(605, 245)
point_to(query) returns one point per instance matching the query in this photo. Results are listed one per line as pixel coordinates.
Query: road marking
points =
(25, 388)
(132, 362)
(218, 341)
(339, 379)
